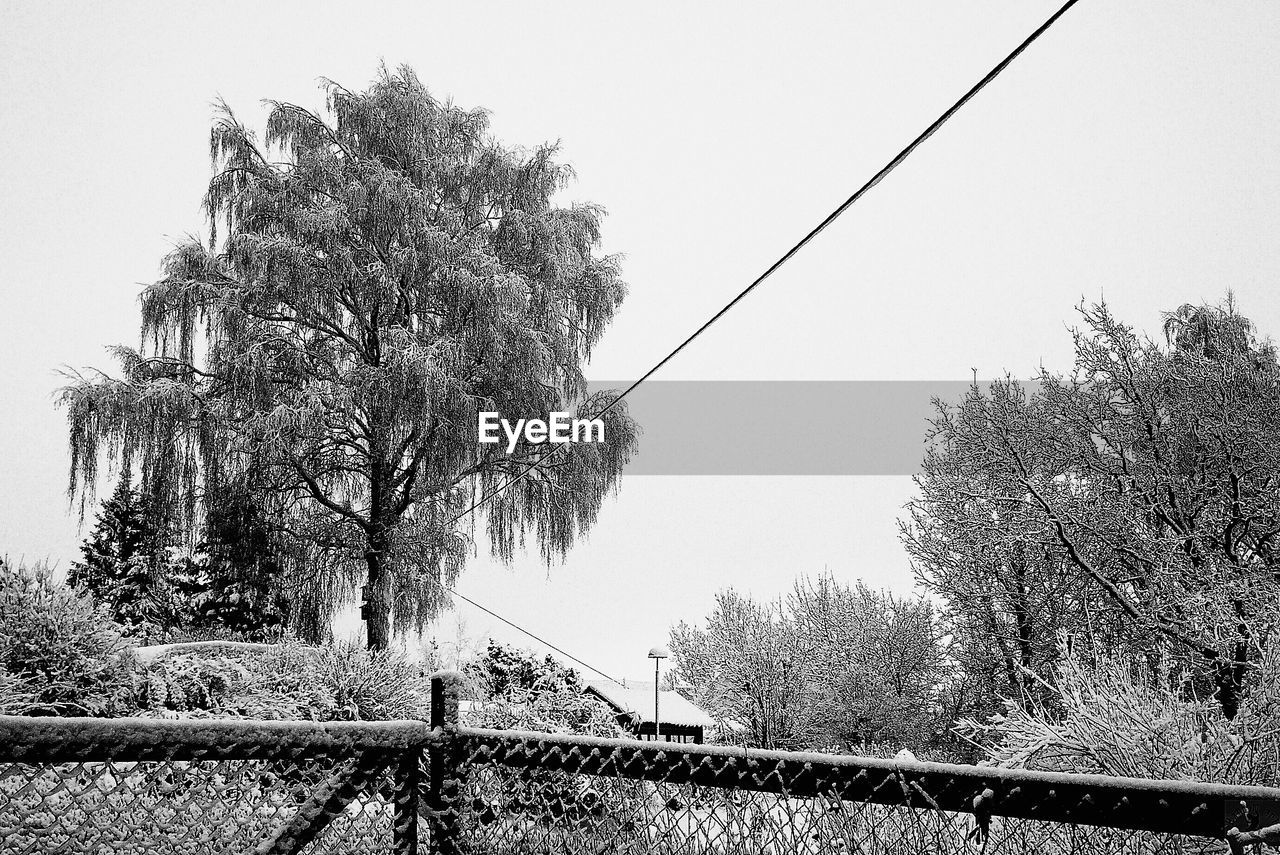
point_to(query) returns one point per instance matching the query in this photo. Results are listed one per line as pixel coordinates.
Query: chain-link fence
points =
(132, 785)
(535, 793)
(98, 786)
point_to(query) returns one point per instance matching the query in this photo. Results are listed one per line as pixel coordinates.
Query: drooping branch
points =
(355, 321)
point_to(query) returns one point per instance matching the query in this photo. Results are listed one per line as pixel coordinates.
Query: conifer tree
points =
(242, 571)
(122, 558)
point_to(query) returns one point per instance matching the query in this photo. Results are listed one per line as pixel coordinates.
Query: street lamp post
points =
(657, 654)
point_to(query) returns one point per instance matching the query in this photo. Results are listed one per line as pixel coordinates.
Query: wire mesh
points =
(181, 807)
(531, 793)
(97, 787)
(541, 813)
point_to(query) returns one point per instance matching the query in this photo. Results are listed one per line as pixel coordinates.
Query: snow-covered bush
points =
(1114, 718)
(287, 682)
(17, 694)
(190, 685)
(369, 685)
(515, 690)
(64, 654)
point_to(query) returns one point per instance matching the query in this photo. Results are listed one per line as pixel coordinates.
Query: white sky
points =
(1129, 153)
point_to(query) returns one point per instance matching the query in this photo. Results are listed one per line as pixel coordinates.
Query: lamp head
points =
(659, 652)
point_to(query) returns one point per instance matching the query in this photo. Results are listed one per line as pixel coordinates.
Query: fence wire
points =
(554, 812)
(99, 787)
(180, 808)
(539, 793)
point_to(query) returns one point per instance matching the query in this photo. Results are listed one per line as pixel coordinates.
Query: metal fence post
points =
(446, 781)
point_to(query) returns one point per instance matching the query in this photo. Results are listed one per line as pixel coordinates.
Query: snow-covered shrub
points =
(17, 694)
(287, 682)
(512, 689)
(189, 685)
(1115, 719)
(189, 682)
(369, 685)
(284, 686)
(61, 645)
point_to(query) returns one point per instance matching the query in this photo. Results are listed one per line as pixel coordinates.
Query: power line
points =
(787, 256)
(531, 635)
(844, 206)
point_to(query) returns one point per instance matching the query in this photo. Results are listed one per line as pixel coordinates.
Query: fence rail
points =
(66, 740)
(269, 788)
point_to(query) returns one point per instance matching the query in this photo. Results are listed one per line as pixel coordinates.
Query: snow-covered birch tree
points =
(375, 276)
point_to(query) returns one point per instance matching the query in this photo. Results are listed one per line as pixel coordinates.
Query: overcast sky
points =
(1130, 154)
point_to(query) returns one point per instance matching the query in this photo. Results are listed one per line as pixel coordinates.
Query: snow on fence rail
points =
(142, 785)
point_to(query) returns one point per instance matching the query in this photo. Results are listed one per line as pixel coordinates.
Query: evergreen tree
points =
(123, 558)
(242, 572)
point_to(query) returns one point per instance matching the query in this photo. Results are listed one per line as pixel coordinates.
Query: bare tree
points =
(875, 664)
(743, 668)
(832, 666)
(1132, 505)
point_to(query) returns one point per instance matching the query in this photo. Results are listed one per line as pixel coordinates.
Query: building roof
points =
(637, 699)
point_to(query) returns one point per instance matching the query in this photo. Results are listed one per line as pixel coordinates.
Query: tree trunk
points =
(378, 624)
